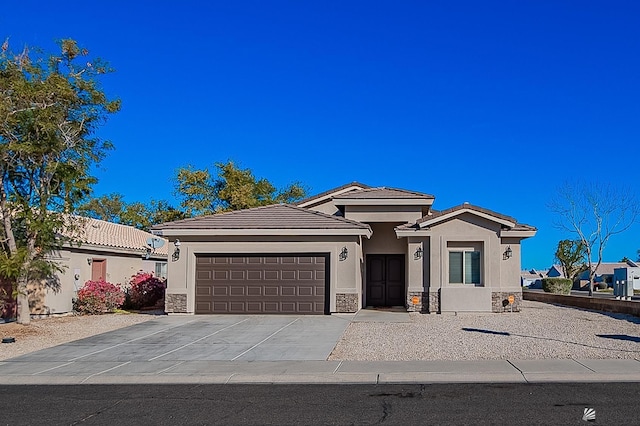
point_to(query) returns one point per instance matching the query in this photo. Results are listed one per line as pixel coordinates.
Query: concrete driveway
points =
(206, 338)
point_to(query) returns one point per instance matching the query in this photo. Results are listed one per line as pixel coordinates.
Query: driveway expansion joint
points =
(521, 372)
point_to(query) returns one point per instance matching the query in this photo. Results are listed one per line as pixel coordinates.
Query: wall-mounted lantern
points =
(507, 253)
(176, 252)
(89, 260)
(343, 254)
(418, 254)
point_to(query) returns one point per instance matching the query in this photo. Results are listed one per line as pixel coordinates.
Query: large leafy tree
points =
(571, 256)
(113, 208)
(107, 207)
(594, 213)
(50, 108)
(233, 188)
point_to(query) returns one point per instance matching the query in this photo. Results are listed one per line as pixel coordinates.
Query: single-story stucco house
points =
(343, 250)
(101, 250)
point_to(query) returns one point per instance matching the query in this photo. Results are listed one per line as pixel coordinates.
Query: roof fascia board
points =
(261, 232)
(384, 201)
(112, 250)
(517, 234)
(400, 233)
(438, 219)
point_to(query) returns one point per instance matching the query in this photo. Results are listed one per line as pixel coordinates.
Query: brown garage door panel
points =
(292, 284)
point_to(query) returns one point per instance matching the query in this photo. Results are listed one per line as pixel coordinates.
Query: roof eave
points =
(383, 201)
(414, 232)
(436, 220)
(504, 233)
(260, 232)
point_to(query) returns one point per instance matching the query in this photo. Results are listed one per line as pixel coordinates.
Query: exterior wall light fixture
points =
(344, 254)
(89, 261)
(418, 254)
(507, 253)
(176, 252)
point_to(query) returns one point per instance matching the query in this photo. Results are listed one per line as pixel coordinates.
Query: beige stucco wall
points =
(468, 231)
(465, 230)
(327, 207)
(345, 276)
(120, 267)
(372, 213)
(384, 240)
(415, 266)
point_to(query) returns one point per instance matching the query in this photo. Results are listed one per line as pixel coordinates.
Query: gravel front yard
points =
(540, 331)
(45, 333)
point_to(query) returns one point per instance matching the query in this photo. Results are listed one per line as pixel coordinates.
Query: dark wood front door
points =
(385, 280)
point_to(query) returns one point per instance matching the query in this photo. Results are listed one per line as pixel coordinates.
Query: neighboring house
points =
(604, 274)
(555, 272)
(532, 278)
(344, 250)
(108, 251)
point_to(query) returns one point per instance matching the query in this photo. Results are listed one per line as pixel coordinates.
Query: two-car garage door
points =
(262, 284)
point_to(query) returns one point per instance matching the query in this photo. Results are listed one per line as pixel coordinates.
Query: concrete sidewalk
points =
(362, 372)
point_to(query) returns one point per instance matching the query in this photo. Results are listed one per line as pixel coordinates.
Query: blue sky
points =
(494, 103)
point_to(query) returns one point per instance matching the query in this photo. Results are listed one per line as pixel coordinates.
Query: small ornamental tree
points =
(97, 297)
(146, 290)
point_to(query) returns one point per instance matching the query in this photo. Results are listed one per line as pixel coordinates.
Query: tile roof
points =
(467, 206)
(107, 234)
(383, 192)
(606, 268)
(275, 216)
(331, 191)
(438, 213)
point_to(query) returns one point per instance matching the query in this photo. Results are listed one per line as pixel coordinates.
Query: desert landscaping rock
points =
(540, 331)
(48, 332)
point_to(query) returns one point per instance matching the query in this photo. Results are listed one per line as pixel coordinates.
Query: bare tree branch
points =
(594, 213)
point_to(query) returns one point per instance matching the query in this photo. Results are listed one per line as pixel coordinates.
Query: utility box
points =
(625, 280)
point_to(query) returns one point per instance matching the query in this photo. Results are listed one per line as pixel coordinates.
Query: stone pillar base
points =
(500, 301)
(421, 297)
(434, 302)
(175, 303)
(346, 302)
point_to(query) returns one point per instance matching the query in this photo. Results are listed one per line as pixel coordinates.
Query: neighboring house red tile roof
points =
(381, 193)
(107, 234)
(275, 216)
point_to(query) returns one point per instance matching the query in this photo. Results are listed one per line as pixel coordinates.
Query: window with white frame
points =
(161, 270)
(464, 267)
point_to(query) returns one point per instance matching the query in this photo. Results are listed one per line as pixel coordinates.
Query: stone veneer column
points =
(417, 307)
(500, 301)
(434, 302)
(346, 302)
(175, 303)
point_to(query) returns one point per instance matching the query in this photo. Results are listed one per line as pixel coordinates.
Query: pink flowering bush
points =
(97, 297)
(145, 290)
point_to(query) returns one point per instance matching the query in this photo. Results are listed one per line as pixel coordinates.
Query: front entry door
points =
(385, 280)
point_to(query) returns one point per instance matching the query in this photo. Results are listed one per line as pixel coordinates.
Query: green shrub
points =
(557, 285)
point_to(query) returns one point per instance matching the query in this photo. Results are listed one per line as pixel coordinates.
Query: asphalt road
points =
(439, 404)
